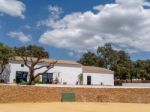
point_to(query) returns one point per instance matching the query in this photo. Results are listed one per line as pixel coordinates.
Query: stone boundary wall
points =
(14, 93)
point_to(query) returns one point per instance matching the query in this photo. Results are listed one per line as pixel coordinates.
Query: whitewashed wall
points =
(64, 74)
(68, 74)
(98, 78)
(16, 67)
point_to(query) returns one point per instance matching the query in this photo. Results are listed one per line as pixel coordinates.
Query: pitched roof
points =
(93, 69)
(68, 63)
(59, 62)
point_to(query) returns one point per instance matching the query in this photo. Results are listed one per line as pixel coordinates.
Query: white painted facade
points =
(99, 79)
(66, 74)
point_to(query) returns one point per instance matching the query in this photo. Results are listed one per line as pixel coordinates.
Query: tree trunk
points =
(31, 76)
(2, 68)
(131, 78)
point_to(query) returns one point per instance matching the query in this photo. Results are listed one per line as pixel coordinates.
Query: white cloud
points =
(55, 10)
(54, 14)
(12, 7)
(70, 53)
(125, 23)
(27, 26)
(98, 7)
(20, 36)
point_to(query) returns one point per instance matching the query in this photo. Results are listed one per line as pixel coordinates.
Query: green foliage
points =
(31, 51)
(37, 80)
(142, 69)
(6, 54)
(80, 79)
(107, 54)
(118, 61)
(34, 54)
(91, 59)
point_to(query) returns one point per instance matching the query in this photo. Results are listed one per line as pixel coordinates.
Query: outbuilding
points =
(97, 76)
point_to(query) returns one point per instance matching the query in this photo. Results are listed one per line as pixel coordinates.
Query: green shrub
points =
(37, 80)
(81, 79)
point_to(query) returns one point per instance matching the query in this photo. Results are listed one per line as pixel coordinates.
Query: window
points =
(21, 77)
(47, 78)
(22, 65)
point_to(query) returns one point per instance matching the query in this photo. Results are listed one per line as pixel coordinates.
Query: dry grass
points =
(74, 107)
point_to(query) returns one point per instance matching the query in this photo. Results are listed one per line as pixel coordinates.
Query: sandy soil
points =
(74, 107)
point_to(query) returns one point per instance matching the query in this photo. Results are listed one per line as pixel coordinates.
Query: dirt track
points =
(74, 107)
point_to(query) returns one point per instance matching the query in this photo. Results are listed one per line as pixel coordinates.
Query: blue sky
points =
(68, 28)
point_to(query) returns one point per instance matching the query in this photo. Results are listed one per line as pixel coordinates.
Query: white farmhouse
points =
(63, 73)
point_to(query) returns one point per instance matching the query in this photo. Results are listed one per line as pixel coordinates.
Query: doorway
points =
(88, 80)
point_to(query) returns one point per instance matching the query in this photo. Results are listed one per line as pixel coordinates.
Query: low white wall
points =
(99, 78)
(136, 84)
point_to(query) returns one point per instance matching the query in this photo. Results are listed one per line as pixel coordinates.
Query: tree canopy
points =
(119, 61)
(90, 59)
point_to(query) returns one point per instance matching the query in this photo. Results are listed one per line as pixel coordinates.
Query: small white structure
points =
(97, 76)
(63, 73)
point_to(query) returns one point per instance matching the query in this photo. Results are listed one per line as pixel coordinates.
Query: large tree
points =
(117, 60)
(107, 54)
(123, 66)
(91, 59)
(6, 54)
(33, 55)
(142, 69)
